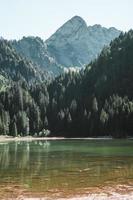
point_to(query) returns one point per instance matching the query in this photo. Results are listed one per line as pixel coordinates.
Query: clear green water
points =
(64, 167)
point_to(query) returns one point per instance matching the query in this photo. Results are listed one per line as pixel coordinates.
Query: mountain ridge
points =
(74, 44)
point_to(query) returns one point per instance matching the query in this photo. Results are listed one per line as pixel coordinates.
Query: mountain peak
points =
(73, 44)
(74, 24)
(78, 19)
(73, 27)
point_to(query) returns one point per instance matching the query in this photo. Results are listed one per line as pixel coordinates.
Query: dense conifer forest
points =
(97, 101)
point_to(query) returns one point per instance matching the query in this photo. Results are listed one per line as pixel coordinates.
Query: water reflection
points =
(18, 153)
(67, 166)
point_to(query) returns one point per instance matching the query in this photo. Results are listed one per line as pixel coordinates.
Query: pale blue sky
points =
(44, 17)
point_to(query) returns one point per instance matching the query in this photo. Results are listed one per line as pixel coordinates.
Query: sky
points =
(42, 18)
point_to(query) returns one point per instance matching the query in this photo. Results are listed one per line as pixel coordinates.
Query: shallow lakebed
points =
(66, 169)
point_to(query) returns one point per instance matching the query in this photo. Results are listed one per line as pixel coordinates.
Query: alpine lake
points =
(66, 169)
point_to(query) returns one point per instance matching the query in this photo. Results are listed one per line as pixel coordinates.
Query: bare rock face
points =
(71, 31)
(73, 45)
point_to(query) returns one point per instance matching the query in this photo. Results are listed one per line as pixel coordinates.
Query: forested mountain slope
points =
(14, 67)
(98, 101)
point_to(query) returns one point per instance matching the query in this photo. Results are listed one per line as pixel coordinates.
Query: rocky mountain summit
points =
(73, 45)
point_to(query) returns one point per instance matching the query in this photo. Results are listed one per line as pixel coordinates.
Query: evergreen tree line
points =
(97, 101)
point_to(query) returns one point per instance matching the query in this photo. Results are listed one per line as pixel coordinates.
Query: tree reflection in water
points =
(63, 167)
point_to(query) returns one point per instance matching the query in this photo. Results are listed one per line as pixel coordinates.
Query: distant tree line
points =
(97, 101)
